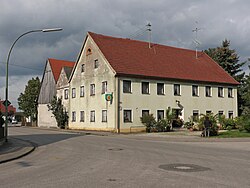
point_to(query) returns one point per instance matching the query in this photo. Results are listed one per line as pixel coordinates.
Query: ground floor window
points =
(92, 116)
(160, 114)
(81, 116)
(127, 116)
(220, 113)
(230, 114)
(195, 115)
(73, 116)
(145, 113)
(104, 115)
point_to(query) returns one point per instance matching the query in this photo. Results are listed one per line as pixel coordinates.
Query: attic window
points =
(88, 52)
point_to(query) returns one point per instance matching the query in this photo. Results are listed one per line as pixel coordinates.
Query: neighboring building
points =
(48, 90)
(144, 79)
(11, 109)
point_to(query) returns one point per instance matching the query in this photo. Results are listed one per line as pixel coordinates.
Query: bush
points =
(214, 128)
(148, 121)
(243, 123)
(162, 126)
(229, 123)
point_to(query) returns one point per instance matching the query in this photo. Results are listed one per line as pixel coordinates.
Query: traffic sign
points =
(8, 103)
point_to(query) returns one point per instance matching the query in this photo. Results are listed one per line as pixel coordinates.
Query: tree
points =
(59, 112)
(245, 92)
(27, 101)
(227, 59)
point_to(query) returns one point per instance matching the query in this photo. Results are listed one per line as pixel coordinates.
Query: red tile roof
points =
(56, 66)
(135, 58)
(10, 108)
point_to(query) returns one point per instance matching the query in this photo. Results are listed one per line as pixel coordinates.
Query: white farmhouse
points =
(139, 79)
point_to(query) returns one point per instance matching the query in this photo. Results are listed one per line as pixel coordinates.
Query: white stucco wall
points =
(136, 101)
(45, 117)
(97, 102)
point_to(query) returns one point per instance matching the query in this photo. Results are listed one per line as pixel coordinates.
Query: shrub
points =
(148, 121)
(163, 126)
(229, 123)
(243, 123)
(213, 118)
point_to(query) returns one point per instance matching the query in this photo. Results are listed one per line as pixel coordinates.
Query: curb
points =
(18, 153)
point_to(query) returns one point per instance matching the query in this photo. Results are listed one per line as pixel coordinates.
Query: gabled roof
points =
(68, 71)
(56, 66)
(135, 58)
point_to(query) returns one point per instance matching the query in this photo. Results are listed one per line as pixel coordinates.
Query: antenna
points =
(149, 34)
(196, 41)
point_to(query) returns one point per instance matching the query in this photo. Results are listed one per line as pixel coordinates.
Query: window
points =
(208, 91)
(145, 87)
(126, 86)
(104, 87)
(208, 112)
(230, 114)
(82, 91)
(177, 90)
(92, 116)
(73, 116)
(104, 116)
(220, 113)
(96, 64)
(127, 116)
(195, 90)
(92, 89)
(195, 115)
(145, 113)
(88, 52)
(81, 116)
(83, 68)
(66, 94)
(230, 92)
(220, 91)
(73, 92)
(160, 88)
(160, 114)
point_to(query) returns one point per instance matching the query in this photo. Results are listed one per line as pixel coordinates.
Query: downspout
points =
(118, 105)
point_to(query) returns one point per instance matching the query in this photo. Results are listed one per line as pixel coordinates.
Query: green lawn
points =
(233, 134)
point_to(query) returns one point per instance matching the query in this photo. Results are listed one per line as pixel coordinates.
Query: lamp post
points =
(7, 74)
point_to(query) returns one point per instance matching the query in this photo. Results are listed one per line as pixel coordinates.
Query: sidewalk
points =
(15, 149)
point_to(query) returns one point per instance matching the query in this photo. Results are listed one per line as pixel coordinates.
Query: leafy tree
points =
(59, 112)
(245, 92)
(27, 101)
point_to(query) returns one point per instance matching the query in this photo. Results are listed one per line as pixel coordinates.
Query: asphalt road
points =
(89, 161)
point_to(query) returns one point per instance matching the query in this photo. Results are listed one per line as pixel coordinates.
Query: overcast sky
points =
(172, 24)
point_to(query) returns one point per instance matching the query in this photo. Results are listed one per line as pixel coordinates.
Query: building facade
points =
(142, 79)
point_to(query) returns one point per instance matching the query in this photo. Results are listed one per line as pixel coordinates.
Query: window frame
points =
(104, 116)
(220, 92)
(145, 88)
(162, 89)
(129, 86)
(82, 116)
(82, 93)
(73, 93)
(73, 118)
(230, 114)
(130, 120)
(209, 89)
(195, 117)
(177, 89)
(104, 87)
(143, 112)
(96, 63)
(66, 94)
(158, 113)
(92, 89)
(230, 92)
(83, 67)
(195, 90)
(92, 116)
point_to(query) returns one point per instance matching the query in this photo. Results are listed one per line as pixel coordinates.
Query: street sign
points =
(108, 96)
(8, 103)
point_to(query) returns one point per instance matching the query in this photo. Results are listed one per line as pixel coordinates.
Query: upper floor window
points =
(220, 92)
(127, 116)
(126, 86)
(208, 91)
(92, 89)
(96, 64)
(73, 116)
(82, 91)
(177, 90)
(104, 87)
(145, 87)
(160, 88)
(195, 90)
(66, 94)
(92, 116)
(104, 115)
(81, 116)
(73, 92)
(83, 68)
(230, 92)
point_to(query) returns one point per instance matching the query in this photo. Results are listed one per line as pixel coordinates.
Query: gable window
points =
(145, 87)
(83, 68)
(230, 114)
(96, 63)
(195, 115)
(126, 86)
(88, 52)
(82, 91)
(160, 114)
(81, 116)
(160, 88)
(92, 89)
(145, 113)
(208, 91)
(230, 92)
(66, 94)
(104, 115)
(195, 91)
(92, 116)
(73, 92)
(104, 87)
(220, 92)
(127, 116)
(177, 90)
(73, 116)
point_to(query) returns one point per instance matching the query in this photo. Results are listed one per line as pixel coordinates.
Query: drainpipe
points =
(118, 105)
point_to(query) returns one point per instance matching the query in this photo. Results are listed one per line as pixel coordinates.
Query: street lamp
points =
(7, 73)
